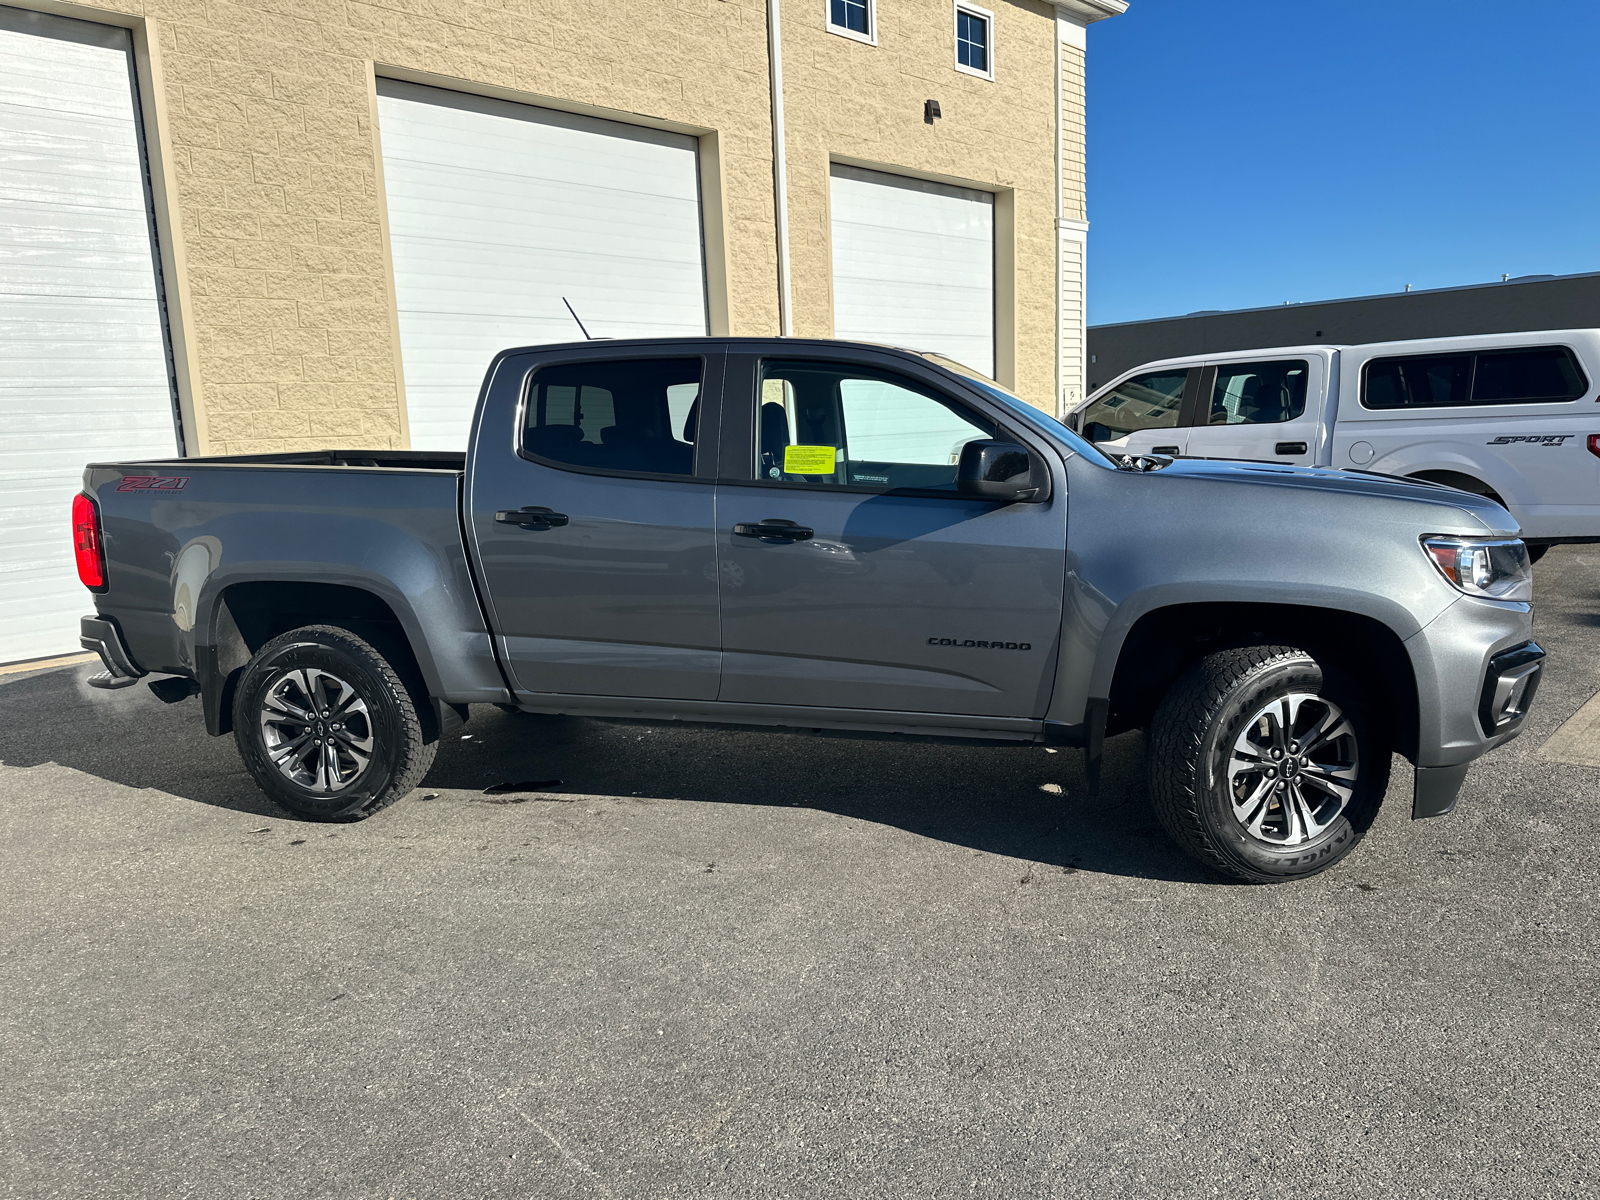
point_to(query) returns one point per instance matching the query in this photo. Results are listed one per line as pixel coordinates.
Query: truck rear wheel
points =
(327, 727)
(1265, 768)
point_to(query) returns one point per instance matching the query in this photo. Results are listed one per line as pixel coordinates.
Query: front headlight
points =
(1496, 569)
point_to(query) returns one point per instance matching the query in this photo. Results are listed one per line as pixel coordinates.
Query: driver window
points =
(855, 427)
(1144, 402)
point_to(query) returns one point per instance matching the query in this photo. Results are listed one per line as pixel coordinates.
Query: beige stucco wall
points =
(863, 104)
(261, 125)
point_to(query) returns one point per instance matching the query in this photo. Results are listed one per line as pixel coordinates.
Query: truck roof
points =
(1463, 341)
(712, 339)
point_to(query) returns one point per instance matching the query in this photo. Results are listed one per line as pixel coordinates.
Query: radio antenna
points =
(575, 317)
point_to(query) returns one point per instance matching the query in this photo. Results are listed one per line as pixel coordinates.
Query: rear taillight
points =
(86, 546)
(1594, 444)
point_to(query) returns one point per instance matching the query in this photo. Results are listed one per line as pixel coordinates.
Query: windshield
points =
(1015, 402)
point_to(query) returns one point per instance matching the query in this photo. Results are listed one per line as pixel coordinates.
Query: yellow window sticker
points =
(809, 460)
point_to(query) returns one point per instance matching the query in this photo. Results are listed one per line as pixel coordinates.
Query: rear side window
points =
(637, 416)
(1144, 402)
(1545, 375)
(1263, 393)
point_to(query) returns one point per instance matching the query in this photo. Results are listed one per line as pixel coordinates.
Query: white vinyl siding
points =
(1073, 331)
(498, 210)
(913, 264)
(83, 361)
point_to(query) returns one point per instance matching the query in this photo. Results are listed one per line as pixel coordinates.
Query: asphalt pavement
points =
(729, 964)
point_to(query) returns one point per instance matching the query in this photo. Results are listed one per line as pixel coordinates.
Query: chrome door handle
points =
(773, 530)
(531, 517)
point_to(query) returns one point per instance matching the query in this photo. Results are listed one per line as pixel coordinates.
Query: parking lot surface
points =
(728, 964)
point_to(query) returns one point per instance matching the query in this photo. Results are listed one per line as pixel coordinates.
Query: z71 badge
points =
(1532, 439)
(153, 483)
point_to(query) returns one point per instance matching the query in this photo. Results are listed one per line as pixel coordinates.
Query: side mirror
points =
(1097, 432)
(1000, 471)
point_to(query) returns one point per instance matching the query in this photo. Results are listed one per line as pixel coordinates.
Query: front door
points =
(853, 575)
(593, 521)
(1260, 411)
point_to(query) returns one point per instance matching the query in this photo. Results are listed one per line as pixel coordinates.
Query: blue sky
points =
(1248, 152)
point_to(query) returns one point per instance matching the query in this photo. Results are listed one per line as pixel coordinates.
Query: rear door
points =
(1144, 414)
(592, 500)
(852, 574)
(1266, 409)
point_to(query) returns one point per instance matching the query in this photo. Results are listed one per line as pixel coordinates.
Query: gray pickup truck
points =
(823, 536)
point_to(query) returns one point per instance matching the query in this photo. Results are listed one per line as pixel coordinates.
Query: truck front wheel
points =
(327, 727)
(1263, 766)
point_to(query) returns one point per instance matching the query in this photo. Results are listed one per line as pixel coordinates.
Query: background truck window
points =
(1546, 374)
(1536, 375)
(1424, 381)
(1144, 402)
(1263, 393)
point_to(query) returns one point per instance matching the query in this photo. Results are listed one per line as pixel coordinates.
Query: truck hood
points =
(1368, 484)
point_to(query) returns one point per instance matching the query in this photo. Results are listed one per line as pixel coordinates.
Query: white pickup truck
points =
(1511, 416)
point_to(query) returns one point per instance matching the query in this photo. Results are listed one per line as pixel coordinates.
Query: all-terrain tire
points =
(368, 713)
(1219, 717)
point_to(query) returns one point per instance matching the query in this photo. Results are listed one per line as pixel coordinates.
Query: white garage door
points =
(498, 210)
(913, 265)
(83, 362)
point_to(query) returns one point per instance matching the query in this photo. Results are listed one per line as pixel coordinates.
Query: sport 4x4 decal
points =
(1533, 439)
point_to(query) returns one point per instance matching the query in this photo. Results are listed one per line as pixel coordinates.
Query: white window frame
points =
(870, 38)
(960, 6)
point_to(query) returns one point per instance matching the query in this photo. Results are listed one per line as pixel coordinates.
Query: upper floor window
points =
(975, 40)
(854, 19)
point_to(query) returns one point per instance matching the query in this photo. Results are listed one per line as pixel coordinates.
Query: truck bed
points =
(196, 548)
(415, 460)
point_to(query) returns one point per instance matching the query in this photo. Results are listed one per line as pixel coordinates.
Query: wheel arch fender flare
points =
(240, 611)
(1276, 607)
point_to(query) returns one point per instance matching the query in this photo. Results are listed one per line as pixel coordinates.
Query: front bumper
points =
(1477, 669)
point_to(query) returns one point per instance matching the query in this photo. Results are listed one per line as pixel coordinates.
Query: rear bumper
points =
(101, 635)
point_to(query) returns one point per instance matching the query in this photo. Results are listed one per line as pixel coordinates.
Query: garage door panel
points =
(644, 231)
(507, 250)
(84, 374)
(486, 138)
(913, 264)
(497, 211)
(471, 284)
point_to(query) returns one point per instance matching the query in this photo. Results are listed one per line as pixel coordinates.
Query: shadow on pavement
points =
(988, 798)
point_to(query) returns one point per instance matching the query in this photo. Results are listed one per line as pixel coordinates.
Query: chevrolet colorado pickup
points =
(824, 536)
